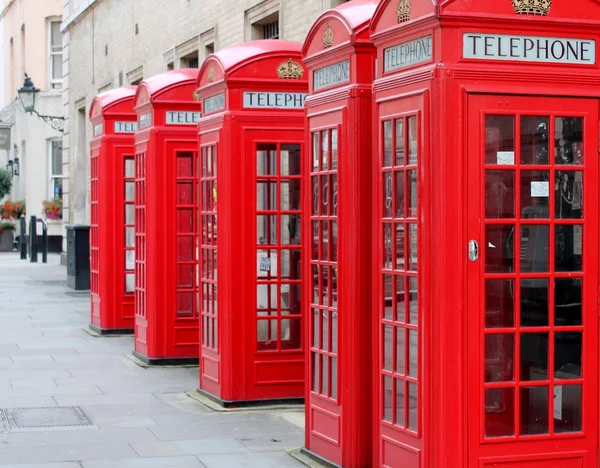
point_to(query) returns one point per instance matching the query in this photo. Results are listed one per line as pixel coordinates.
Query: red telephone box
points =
(251, 137)
(341, 60)
(487, 191)
(166, 321)
(112, 242)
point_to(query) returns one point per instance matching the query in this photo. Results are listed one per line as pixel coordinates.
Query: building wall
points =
(24, 34)
(2, 55)
(109, 43)
(33, 138)
(26, 19)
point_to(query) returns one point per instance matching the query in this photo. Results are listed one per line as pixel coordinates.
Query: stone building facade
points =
(32, 43)
(109, 43)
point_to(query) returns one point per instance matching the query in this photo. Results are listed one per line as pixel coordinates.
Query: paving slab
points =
(156, 462)
(249, 460)
(46, 465)
(141, 417)
(71, 437)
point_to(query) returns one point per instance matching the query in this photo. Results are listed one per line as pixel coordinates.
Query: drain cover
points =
(20, 418)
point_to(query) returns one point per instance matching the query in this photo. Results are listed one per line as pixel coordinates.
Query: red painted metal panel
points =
(535, 343)
(507, 354)
(111, 198)
(398, 294)
(341, 59)
(166, 226)
(251, 139)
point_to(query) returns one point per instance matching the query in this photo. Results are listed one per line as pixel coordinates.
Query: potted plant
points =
(7, 236)
(5, 183)
(52, 208)
(12, 210)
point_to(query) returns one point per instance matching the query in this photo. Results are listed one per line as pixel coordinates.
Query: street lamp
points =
(27, 96)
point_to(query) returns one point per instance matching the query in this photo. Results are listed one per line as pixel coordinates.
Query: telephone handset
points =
(534, 241)
(293, 226)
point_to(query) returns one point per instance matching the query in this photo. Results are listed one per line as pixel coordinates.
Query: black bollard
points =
(23, 238)
(33, 241)
(44, 241)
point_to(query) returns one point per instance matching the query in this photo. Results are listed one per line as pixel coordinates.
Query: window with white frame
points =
(55, 55)
(56, 169)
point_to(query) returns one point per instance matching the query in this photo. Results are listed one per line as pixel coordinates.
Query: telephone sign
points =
(332, 75)
(529, 48)
(273, 100)
(125, 127)
(182, 118)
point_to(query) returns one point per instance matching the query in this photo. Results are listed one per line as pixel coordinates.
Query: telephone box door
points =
(275, 348)
(325, 418)
(532, 281)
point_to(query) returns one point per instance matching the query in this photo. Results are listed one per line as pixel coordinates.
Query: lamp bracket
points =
(57, 123)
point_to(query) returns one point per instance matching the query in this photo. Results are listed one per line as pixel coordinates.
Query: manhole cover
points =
(20, 418)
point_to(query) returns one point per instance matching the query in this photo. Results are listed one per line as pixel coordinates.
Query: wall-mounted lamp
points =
(10, 167)
(27, 96)
(14, 162)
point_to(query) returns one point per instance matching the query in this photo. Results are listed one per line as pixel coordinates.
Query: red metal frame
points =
(499, 334)
(520, 384)
(338, 237)
(111, 247)
(251, 147)
(166, 325)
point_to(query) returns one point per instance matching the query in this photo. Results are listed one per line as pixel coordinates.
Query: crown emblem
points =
(532, 7)
(328, 37)
(143, 98)
(403, 11)
(196, 95)
(290, 70)
(211, 75)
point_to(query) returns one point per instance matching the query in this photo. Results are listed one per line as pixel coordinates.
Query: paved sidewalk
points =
(141, 418)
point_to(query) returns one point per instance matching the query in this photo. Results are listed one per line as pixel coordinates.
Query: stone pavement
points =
(141, 418)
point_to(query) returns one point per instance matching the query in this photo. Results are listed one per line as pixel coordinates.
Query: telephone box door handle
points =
(473, 250)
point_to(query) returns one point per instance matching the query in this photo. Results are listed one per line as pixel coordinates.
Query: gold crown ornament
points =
(211, 75)
(290, 70)
(403, 11)
(328, 37)
(196, 95)
(532, 7)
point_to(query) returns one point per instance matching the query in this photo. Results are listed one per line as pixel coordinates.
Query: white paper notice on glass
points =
(558, 390)
(505, 158)
(540, 190)
(577, 239)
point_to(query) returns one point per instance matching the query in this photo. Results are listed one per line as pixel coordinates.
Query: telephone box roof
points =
(159, 84)
(527, 15)
(355, 16)
(110, 98)
(230, 58)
